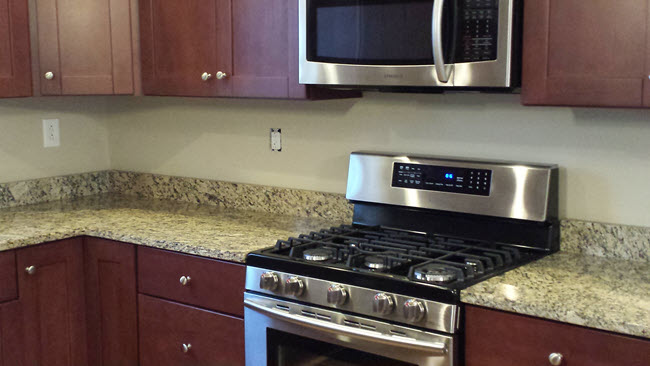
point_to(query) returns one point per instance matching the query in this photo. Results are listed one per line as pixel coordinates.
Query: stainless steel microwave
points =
(468, 44)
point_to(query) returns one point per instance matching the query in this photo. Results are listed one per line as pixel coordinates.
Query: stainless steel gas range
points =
(385, 290)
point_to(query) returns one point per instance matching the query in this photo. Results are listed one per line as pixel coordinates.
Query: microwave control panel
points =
(479, 28)
(442, 178)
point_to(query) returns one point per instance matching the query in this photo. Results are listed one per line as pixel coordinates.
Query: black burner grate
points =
(396, 252)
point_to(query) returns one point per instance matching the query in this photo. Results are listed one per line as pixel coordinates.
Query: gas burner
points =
(439, 273)
(317, 254)
(375, 262)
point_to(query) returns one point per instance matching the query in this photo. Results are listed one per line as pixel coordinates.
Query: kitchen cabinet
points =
(12, 349)
(111, 302)
(498, 338)
(208, 283)
(85, 47)
(176, 334)
(186, 47)
(8, 290)
(586, 53)
(51, 290)
(15, 61)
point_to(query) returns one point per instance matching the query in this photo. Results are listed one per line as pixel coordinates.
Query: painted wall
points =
(84, 137)
(604, 153)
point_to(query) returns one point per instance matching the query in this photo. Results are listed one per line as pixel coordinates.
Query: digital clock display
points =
(443, 179)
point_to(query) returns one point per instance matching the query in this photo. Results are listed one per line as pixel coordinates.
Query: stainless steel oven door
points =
(283, 333)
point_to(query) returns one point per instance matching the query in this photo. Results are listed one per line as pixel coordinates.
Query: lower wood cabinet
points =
(181, 335)
(12, 348)
(51, 292)
(8, 290)
(111, 303)
(496, 338)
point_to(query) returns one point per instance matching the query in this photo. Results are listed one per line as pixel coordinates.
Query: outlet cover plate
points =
(51, 134)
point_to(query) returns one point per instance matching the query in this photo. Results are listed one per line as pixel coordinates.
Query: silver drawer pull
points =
(185, 280)
(30, 270)
(186, 347)
(555, 359)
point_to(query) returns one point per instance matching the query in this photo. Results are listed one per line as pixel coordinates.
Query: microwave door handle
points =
(437, 348)
(442, 70)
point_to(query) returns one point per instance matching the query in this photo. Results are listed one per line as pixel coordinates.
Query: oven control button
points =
(383, 303)
(336, 295)
(414, 310)
(294, 286)
(269, 281)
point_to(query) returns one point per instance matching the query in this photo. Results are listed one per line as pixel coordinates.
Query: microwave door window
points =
(370, 32)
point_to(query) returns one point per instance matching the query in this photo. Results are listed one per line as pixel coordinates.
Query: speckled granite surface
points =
(204, 230)
(606, 240)
(284, 201)
(602, 293)
(53, 189)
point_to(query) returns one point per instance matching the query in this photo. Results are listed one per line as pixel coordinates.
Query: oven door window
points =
(375, 32)
(286, 349)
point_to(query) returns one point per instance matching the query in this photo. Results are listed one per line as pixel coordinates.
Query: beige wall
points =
(604, 153)
(84, 138)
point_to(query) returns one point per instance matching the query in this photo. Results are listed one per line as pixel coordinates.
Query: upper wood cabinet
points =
(15, 62)
(184, 45)
(586, 53)
(85, 47)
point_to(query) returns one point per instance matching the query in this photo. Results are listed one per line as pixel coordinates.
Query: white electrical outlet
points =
(276, 139)
(51, 135)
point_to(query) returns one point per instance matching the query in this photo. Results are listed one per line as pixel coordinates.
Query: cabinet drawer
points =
(498, 338)
(8, 286)
(212, 284)
(165, 327)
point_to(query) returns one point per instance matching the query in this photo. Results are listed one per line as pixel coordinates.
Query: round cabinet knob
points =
(30, 270)
(185, 280)
(294, 286)
(206, 76)
(555, 359)
(49, 75)
(336, 295)
(269, 281)
(383, 303)
(414, 310)
(186, 347)
(221, 75)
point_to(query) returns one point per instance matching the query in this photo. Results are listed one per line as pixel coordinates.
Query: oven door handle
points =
(337, 329)
(442, 70)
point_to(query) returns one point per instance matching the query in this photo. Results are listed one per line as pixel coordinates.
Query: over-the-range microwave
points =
(410, 44)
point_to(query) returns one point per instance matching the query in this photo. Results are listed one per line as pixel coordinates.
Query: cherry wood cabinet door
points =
(211, 339)
(111, 303)
(496, 338)
(182, 40)
(51, 290)
(8, 286)
(15, 61)
(12, 350)
(261, 57)
(85, 47)
(585, 53)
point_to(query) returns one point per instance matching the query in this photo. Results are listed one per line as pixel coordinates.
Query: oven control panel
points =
(442, 178)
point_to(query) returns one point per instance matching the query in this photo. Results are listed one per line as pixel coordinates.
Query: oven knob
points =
(269, 281)
(414, 310)
(294, 286)
(336, 295)
(383, 303)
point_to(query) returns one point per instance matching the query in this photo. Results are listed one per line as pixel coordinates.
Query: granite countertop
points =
(204, 230)
(602, 293)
